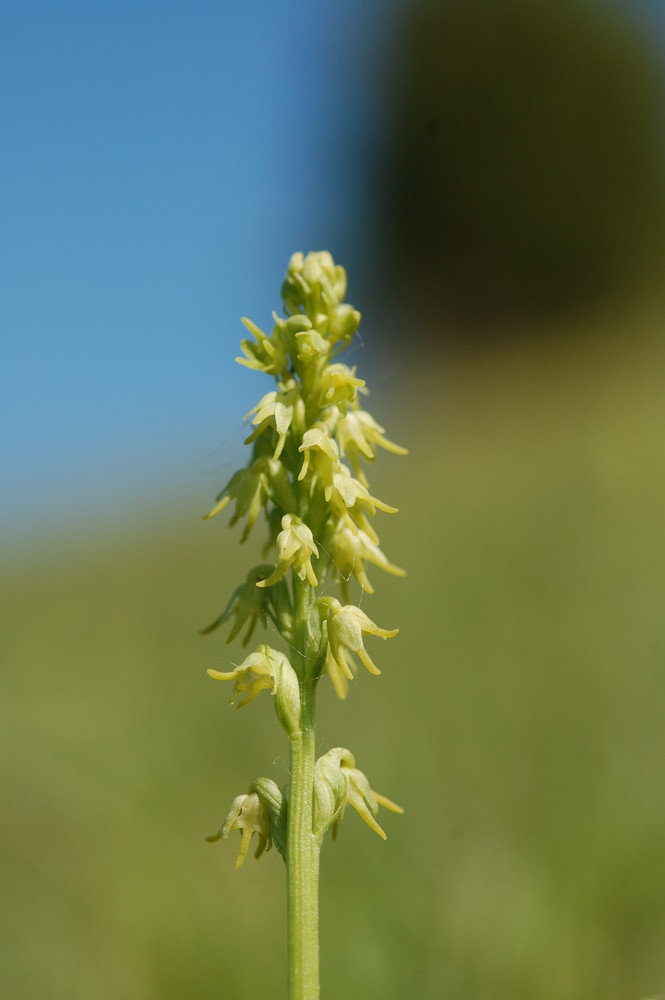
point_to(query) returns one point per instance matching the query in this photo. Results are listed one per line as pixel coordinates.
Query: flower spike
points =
(312, 443)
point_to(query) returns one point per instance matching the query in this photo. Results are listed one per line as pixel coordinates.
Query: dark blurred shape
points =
(522, 171)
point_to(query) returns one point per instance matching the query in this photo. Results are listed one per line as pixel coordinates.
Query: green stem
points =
(302, 867)
(302, 848)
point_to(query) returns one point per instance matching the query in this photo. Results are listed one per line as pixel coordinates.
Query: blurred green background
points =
(519, 716)
(518, 720)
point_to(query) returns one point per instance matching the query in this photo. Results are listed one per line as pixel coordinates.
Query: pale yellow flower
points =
(365, 801)
(311, 345)
(317, 441)
(275, 410)
(266, 669)
(250, 489)
(338, 783)
(359, 435)
(247, 604)
(338, 384)
(295, 548)
(268, 354)
(346, 626)
(349, 498)
(351, 549)
(249, 815)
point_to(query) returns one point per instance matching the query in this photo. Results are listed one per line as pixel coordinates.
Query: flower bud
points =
(343, 324)
(313, 283)
(277, 807)
(287, 698)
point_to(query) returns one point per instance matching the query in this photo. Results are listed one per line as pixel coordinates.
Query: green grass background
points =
(519, 717)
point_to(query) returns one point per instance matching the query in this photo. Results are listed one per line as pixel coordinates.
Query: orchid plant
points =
(319, 512)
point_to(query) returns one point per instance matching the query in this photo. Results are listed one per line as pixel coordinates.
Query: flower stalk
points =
(319, 514)
(302, 858)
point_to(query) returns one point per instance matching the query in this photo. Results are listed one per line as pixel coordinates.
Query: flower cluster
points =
(311, 440)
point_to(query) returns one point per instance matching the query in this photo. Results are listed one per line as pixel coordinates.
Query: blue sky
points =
(162, 161)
